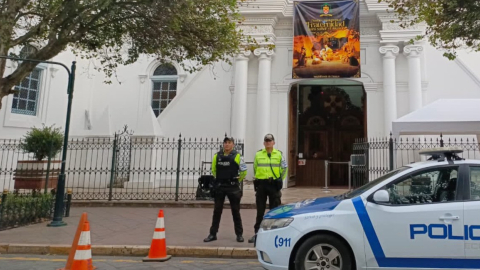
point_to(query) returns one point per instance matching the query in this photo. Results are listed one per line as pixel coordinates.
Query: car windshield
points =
(367, 186)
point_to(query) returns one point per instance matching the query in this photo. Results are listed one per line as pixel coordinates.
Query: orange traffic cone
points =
(75, 242)
(83, 254)
(158, 248)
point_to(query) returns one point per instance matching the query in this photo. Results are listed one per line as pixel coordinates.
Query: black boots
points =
(210, 238)
(252, 240)
(240, 238)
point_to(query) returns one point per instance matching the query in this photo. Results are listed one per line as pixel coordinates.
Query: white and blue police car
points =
(425, 215)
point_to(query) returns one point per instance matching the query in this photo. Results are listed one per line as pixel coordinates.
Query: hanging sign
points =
(326, 42)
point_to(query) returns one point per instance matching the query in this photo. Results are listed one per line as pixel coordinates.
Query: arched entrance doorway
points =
(325, 118)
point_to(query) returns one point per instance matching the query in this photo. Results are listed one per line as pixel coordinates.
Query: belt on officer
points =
(265, 181)
(229, 181)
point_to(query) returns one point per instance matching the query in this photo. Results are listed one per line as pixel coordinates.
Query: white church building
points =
(310, 118)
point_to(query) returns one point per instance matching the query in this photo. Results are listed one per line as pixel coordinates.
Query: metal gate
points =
(122, 156)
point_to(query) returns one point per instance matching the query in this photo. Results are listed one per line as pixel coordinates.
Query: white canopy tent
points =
(446, 116)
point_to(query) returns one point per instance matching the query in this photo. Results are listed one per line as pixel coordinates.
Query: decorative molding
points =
(261, 19)
(274, 88)
(392, 31)
(284, 33)
(259, 32)
(182, 77)
(155, 63)
(366, 75)
(243, 55)
(400, 86)
(53, 71)
(256, 29)
(263, 53)
(142, 78)
(374, 5)
(280, 88)
(284, 24)
(370, 31)
(387, 17)
(412, 50)
(370, 87)
(389, 51)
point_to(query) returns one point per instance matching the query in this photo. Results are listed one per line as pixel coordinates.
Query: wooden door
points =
(328, 128)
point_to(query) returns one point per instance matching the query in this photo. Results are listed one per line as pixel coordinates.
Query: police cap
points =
(269, 137)
(229, 139)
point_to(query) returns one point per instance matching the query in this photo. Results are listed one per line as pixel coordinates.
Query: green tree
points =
(450, 24)
(117, 32)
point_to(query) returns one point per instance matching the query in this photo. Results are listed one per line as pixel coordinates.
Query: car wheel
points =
(323, 252)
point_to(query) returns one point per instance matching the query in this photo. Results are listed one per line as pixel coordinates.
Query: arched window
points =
(25, 99)
(27, 50)
(164, 81)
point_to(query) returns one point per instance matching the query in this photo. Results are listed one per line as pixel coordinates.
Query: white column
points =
(412, 52)
(239, 117)
(389, 52)
(263, 95)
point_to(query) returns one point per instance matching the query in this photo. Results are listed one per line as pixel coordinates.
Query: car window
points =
(372, 183)
(432, 186)
(475, 183)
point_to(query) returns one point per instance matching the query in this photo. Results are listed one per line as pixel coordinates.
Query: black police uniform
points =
(227, 184)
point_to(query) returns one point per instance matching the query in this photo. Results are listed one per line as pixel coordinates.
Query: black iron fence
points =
(122, 167)
(377, 156)
(21, 209)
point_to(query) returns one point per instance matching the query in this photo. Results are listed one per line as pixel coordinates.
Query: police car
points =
(425, 215)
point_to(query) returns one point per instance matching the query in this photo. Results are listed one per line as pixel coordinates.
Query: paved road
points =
(36, 262)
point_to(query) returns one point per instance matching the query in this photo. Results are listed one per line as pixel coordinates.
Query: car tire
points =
(326, 243)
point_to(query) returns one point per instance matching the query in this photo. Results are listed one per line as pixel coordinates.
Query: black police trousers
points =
(234, 194)
(266, 189)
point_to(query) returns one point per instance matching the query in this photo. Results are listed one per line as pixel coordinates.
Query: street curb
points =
(157, 204)
(133, 250)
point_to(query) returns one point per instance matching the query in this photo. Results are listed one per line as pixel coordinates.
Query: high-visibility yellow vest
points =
(266, 167)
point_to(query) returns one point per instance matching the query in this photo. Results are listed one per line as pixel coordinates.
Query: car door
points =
(422, 225)
(472, 214)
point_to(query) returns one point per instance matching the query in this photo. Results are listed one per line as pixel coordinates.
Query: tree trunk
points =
(4, 90)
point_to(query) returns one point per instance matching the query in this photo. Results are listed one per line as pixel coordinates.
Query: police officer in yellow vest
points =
(270, 170)
(229, 170)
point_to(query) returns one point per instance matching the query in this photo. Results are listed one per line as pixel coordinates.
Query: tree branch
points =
(31, 33)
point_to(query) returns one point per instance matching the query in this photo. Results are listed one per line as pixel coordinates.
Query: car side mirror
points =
(381, 196)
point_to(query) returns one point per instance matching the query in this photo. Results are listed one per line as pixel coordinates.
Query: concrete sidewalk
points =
(131, 228)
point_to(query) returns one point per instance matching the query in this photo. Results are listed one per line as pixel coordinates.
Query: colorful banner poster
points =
(326, 42)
